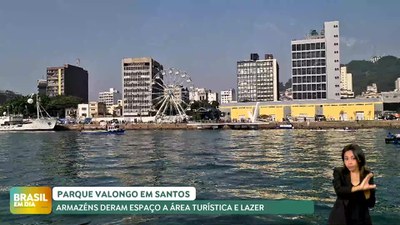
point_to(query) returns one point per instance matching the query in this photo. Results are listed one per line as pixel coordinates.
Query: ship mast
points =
(37, 106)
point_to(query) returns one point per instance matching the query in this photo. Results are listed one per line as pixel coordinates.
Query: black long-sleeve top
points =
(350, 207)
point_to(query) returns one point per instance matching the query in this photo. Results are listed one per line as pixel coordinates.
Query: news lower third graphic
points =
(141, 200)
(30, 200)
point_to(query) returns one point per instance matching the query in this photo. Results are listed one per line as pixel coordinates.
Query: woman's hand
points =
(365, 183)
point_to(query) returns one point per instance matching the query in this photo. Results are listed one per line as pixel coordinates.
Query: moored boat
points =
(10, 122)
(285, 126)
(110, 129)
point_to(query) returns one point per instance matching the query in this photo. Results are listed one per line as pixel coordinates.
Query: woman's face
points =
(350, 161)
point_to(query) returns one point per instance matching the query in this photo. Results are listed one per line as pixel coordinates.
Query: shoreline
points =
(351, 125)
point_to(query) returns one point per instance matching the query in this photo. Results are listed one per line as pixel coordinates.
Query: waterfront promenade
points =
(262, 125)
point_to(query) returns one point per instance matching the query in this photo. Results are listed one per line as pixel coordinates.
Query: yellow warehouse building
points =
(344, 109)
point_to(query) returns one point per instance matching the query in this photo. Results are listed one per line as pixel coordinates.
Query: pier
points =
(257, 125)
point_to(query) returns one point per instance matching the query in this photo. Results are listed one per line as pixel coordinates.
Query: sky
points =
(205, 38)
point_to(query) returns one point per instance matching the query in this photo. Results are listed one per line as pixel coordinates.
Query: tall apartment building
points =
(110, 98)
(316, 64)
(68, 80)
(397, 84)
(258, 79)
(346, 83)
(228, 96)
(139, 85)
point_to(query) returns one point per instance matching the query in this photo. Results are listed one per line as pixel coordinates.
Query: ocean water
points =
(221, 164)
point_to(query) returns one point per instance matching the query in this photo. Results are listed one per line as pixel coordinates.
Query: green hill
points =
(384, 73)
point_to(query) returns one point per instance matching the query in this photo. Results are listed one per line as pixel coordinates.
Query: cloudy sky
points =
(203, 37)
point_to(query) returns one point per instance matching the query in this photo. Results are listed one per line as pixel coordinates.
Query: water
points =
(228, 164)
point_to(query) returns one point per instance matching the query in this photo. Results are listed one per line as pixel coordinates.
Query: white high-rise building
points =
(316, 64)
(397, 84)
(228, 96)
(203, 94)
(346, 83)
(139, 88)
(110, 98)
(258, 79)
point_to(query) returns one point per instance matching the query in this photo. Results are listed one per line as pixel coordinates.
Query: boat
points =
(11, 122)
(285, 126)
(392, 138)
(346, 129)
(110, 129)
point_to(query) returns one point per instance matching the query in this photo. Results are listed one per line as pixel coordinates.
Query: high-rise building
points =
(397, 84)
(228, 96)
(42, 87)
(68, 80)
(316, 64)
(110, 98)
(346, 83)
(258, 79)
(139, 85)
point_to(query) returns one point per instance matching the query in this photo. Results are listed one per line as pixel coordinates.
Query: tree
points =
(288, 84)
(57, 105)
(214, 104)
(281, 87)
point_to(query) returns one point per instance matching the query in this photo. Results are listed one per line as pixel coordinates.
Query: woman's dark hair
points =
(358, 154)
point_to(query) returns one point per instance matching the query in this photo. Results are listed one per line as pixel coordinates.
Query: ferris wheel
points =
(171, 88)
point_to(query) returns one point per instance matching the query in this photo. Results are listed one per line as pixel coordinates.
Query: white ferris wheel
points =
(171, 90)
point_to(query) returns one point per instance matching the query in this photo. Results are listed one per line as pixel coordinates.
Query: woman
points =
(354, 188)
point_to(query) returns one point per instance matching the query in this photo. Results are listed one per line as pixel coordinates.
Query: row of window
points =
(136, 89)
(249, 82)
(313, 62)
(307, 55)
(254, 71)
(254, 89)
(314, 95)
(309, 87)
(137, 64)
(309, 46)
(307, 71)
(136, 68)
(136, 73)
(309, 79)
(254, 64)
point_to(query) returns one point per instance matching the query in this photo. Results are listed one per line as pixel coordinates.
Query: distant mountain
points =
(384, 73)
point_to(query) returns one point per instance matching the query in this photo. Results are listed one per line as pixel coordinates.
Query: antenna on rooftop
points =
(78, 62)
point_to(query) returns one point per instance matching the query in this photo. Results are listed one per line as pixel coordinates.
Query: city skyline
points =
(205, 38)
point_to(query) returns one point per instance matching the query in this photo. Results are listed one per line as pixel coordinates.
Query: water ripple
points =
(264, 164)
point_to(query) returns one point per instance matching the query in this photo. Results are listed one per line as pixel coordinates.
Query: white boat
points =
(9, 122)
(285, 126)
(110, 129)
